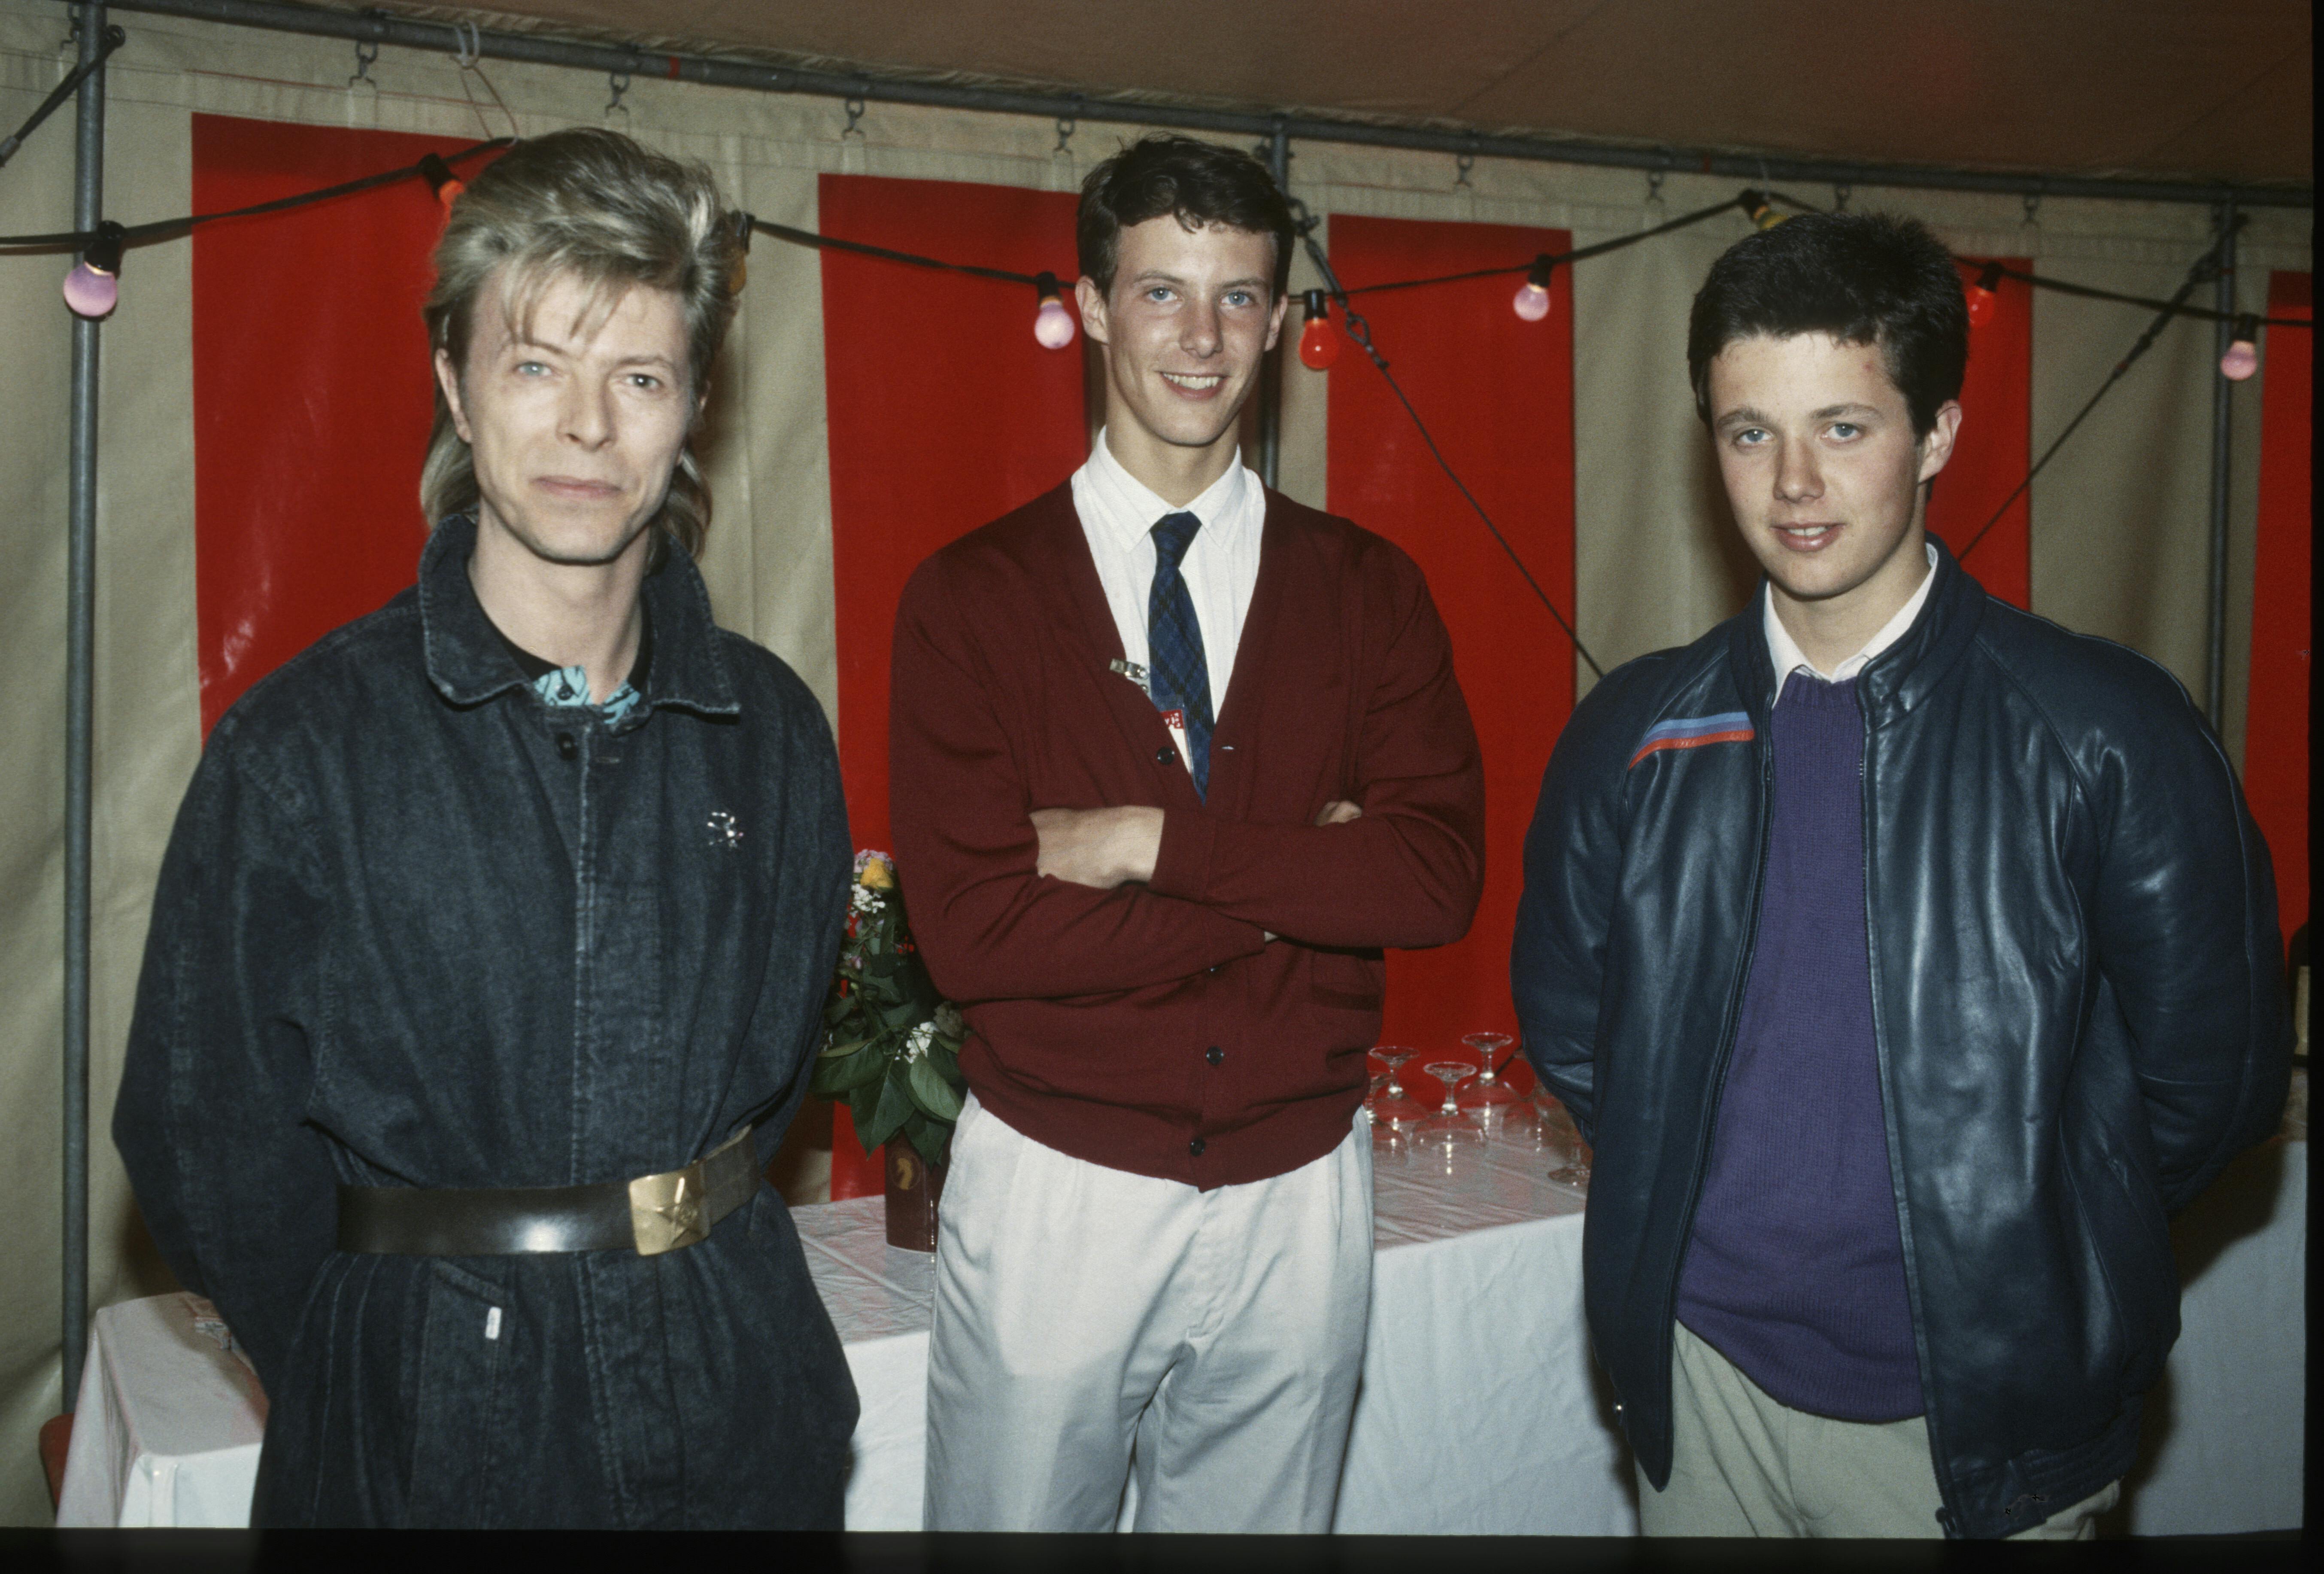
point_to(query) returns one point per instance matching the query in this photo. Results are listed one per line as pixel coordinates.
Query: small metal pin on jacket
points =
(1134, 672)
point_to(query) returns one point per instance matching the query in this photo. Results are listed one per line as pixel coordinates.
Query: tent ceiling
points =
(2152, 89)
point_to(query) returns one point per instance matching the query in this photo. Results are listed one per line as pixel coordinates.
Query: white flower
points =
(922, 1037)
(862, 899)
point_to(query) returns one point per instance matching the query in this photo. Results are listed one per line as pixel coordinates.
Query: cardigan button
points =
(1215, 1054)
(1166, 755)
(565, 747)
(1196, 1147)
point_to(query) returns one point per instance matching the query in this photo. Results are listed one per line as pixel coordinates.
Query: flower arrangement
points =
(891, 1044)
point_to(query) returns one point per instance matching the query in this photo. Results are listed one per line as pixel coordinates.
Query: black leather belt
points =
(650, 1214)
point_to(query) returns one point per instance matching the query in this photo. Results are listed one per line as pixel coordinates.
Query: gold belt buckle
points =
(666, 1210)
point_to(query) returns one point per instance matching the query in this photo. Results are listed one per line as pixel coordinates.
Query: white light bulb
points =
(1053, 325)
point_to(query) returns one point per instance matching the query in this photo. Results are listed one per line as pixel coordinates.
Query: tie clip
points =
(1133, 671)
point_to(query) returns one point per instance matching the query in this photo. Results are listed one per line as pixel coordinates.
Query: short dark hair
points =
(1863, 278)
(1197, 182)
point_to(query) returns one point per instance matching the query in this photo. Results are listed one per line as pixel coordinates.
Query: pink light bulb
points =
(2242, 358)
(1053, 325)
(1532, 301)
(91, 293)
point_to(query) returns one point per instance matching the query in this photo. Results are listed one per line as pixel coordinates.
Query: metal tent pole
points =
(2222, 452)
(1270, 369)
(80, 654)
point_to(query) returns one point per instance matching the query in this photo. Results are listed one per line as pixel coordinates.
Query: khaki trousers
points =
(1742, 1465)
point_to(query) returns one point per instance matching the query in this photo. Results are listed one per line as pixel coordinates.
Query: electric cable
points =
(111, 39)
(1360, 331)
(2206, 267)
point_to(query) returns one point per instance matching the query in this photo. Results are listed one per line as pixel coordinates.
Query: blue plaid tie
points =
(1180, 677)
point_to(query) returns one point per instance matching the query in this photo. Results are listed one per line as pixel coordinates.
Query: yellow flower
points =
(878, 873)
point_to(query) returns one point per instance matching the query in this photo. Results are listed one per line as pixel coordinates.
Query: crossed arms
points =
(1013, 898)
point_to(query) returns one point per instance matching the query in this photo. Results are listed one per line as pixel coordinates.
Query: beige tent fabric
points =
(2118, 527)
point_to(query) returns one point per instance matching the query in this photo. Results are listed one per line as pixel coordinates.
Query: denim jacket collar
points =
(468, 665)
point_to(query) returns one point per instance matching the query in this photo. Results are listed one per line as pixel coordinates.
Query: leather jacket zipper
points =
(1946, 1517)
(1726, 1031)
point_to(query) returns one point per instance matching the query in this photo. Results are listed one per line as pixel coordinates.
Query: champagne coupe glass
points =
(1560, 1132)
(1489, 1087)
(1394, 1105)
(1449, 1121)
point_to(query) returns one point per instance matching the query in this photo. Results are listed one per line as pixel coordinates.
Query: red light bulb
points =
(1983, 294)
(441, 181)
(1319, 341)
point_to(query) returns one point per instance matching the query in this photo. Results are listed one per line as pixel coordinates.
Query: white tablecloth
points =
(1479, 1409)
(167, 1427)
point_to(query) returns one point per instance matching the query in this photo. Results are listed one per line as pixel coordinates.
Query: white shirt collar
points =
(1789, 659)
(1131, 508)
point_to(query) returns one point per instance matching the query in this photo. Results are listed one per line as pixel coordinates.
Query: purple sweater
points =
(1796, 1270)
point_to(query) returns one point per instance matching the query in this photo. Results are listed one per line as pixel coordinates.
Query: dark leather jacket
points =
(2076, 1005)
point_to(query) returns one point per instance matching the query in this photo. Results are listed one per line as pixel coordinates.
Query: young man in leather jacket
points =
(1906, 958)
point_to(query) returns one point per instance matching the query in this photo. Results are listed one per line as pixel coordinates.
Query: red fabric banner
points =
(313, 394)
(943, 414)
(2275, 720)
(1497, 393)
(1995, 446)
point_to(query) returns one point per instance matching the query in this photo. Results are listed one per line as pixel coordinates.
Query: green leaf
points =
(929, 1137)
(834, 1050)
(932, 1092)
(846, 1073)
(895, 1104)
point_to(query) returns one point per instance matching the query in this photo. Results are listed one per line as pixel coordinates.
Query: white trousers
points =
(1090, 1324)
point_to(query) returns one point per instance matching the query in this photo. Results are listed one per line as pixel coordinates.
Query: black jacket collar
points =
(1899, 678)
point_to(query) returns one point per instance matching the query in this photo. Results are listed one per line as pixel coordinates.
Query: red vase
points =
(915, 1186)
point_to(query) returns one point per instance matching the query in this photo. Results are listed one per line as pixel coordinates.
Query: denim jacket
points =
(417, 927)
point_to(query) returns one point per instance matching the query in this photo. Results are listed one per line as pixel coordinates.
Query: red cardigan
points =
(1153, 1028)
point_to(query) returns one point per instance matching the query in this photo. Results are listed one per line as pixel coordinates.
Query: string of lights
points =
(2206, 267)
(92, 289)
(1360, 331)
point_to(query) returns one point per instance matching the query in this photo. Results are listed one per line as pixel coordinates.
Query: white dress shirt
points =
(1790, 659)
(1119, 512)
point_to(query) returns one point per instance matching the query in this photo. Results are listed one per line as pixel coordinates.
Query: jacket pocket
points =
(2129, 1239)
(466, 1349)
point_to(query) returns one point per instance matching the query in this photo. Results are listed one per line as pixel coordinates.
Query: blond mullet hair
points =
(593, 206)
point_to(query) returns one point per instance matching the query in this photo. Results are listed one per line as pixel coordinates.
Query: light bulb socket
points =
(442, 182)
(2246, 330)
(103, 252)
(1537, 276)
(1046, 288)
(739, 225)
(1988, 278)
(1315, 305)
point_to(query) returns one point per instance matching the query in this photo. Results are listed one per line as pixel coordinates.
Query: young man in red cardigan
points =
(1173, 758)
